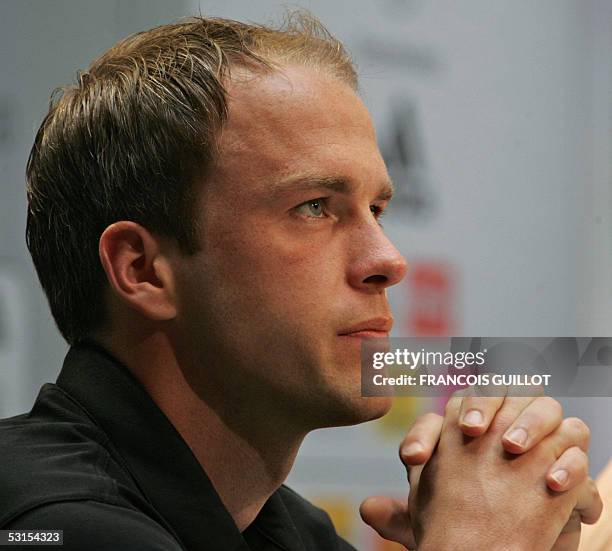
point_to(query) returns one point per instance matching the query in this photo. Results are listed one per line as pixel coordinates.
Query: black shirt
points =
(96, 458)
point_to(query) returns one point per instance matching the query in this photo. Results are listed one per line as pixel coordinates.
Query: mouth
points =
(366, 334)
(374, 327)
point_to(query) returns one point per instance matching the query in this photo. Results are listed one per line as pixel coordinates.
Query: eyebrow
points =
(338, 185)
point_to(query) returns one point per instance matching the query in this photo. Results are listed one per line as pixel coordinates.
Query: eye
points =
(378, 213)
(312, 209)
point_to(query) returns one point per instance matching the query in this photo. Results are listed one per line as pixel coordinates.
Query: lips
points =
(374, 327)
(363, 334)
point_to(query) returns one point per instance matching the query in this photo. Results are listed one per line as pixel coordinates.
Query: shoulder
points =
(97, 526)
(55, 453)
(312, 520)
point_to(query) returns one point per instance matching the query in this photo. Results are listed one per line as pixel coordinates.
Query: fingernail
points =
(473, 418)
(517, 436)
(413, 448)
(560, 476)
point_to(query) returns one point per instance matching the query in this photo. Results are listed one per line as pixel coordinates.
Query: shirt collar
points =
(159, 460)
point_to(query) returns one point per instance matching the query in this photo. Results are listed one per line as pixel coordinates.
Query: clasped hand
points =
(494, 473)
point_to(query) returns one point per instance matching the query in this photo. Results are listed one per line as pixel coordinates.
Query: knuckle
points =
(579, 463)
(579, 427)
(483, 403)
(533, 420)
(430, 418)
(593, 491)
(551, 406)
(581, 455)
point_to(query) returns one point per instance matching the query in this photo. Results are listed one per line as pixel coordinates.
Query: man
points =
(204, 218)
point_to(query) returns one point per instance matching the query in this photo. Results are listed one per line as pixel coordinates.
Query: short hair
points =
(132, 139)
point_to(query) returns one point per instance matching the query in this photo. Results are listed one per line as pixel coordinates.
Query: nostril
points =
(376, 279)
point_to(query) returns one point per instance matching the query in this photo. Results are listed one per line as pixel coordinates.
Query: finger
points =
(572, 432)
(452, 408)
(589, 504)
(390, 518)
(539, 418)
(478, 409)
(520, 391)
(510, 410)
(569, 538)
(570, 470)
(422, 438)
(414, 475)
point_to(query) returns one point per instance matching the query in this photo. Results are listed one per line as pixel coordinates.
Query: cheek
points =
(269, 264)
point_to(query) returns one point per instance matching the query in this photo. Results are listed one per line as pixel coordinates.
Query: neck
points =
(227, 443)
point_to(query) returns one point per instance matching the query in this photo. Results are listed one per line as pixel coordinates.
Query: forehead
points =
(298, 121)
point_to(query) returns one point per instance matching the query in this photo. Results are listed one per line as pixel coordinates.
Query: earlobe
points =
(138, 272)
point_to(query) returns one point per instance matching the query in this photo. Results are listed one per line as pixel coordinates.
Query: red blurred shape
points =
(431, 299)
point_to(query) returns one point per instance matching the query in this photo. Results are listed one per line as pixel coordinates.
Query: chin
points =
(374, 407)
(356, 411)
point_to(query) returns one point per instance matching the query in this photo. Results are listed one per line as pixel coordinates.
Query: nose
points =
(375, 262)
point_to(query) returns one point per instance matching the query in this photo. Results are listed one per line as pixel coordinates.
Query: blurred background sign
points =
(14, 330)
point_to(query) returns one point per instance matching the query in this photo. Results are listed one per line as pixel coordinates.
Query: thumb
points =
(390, 518)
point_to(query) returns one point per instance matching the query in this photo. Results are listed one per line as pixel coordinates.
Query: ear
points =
(137, 270)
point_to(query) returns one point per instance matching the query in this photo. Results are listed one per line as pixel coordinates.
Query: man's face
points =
(293, 255)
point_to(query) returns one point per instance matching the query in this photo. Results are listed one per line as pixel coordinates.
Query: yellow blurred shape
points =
(341, 511)
(401, 415)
